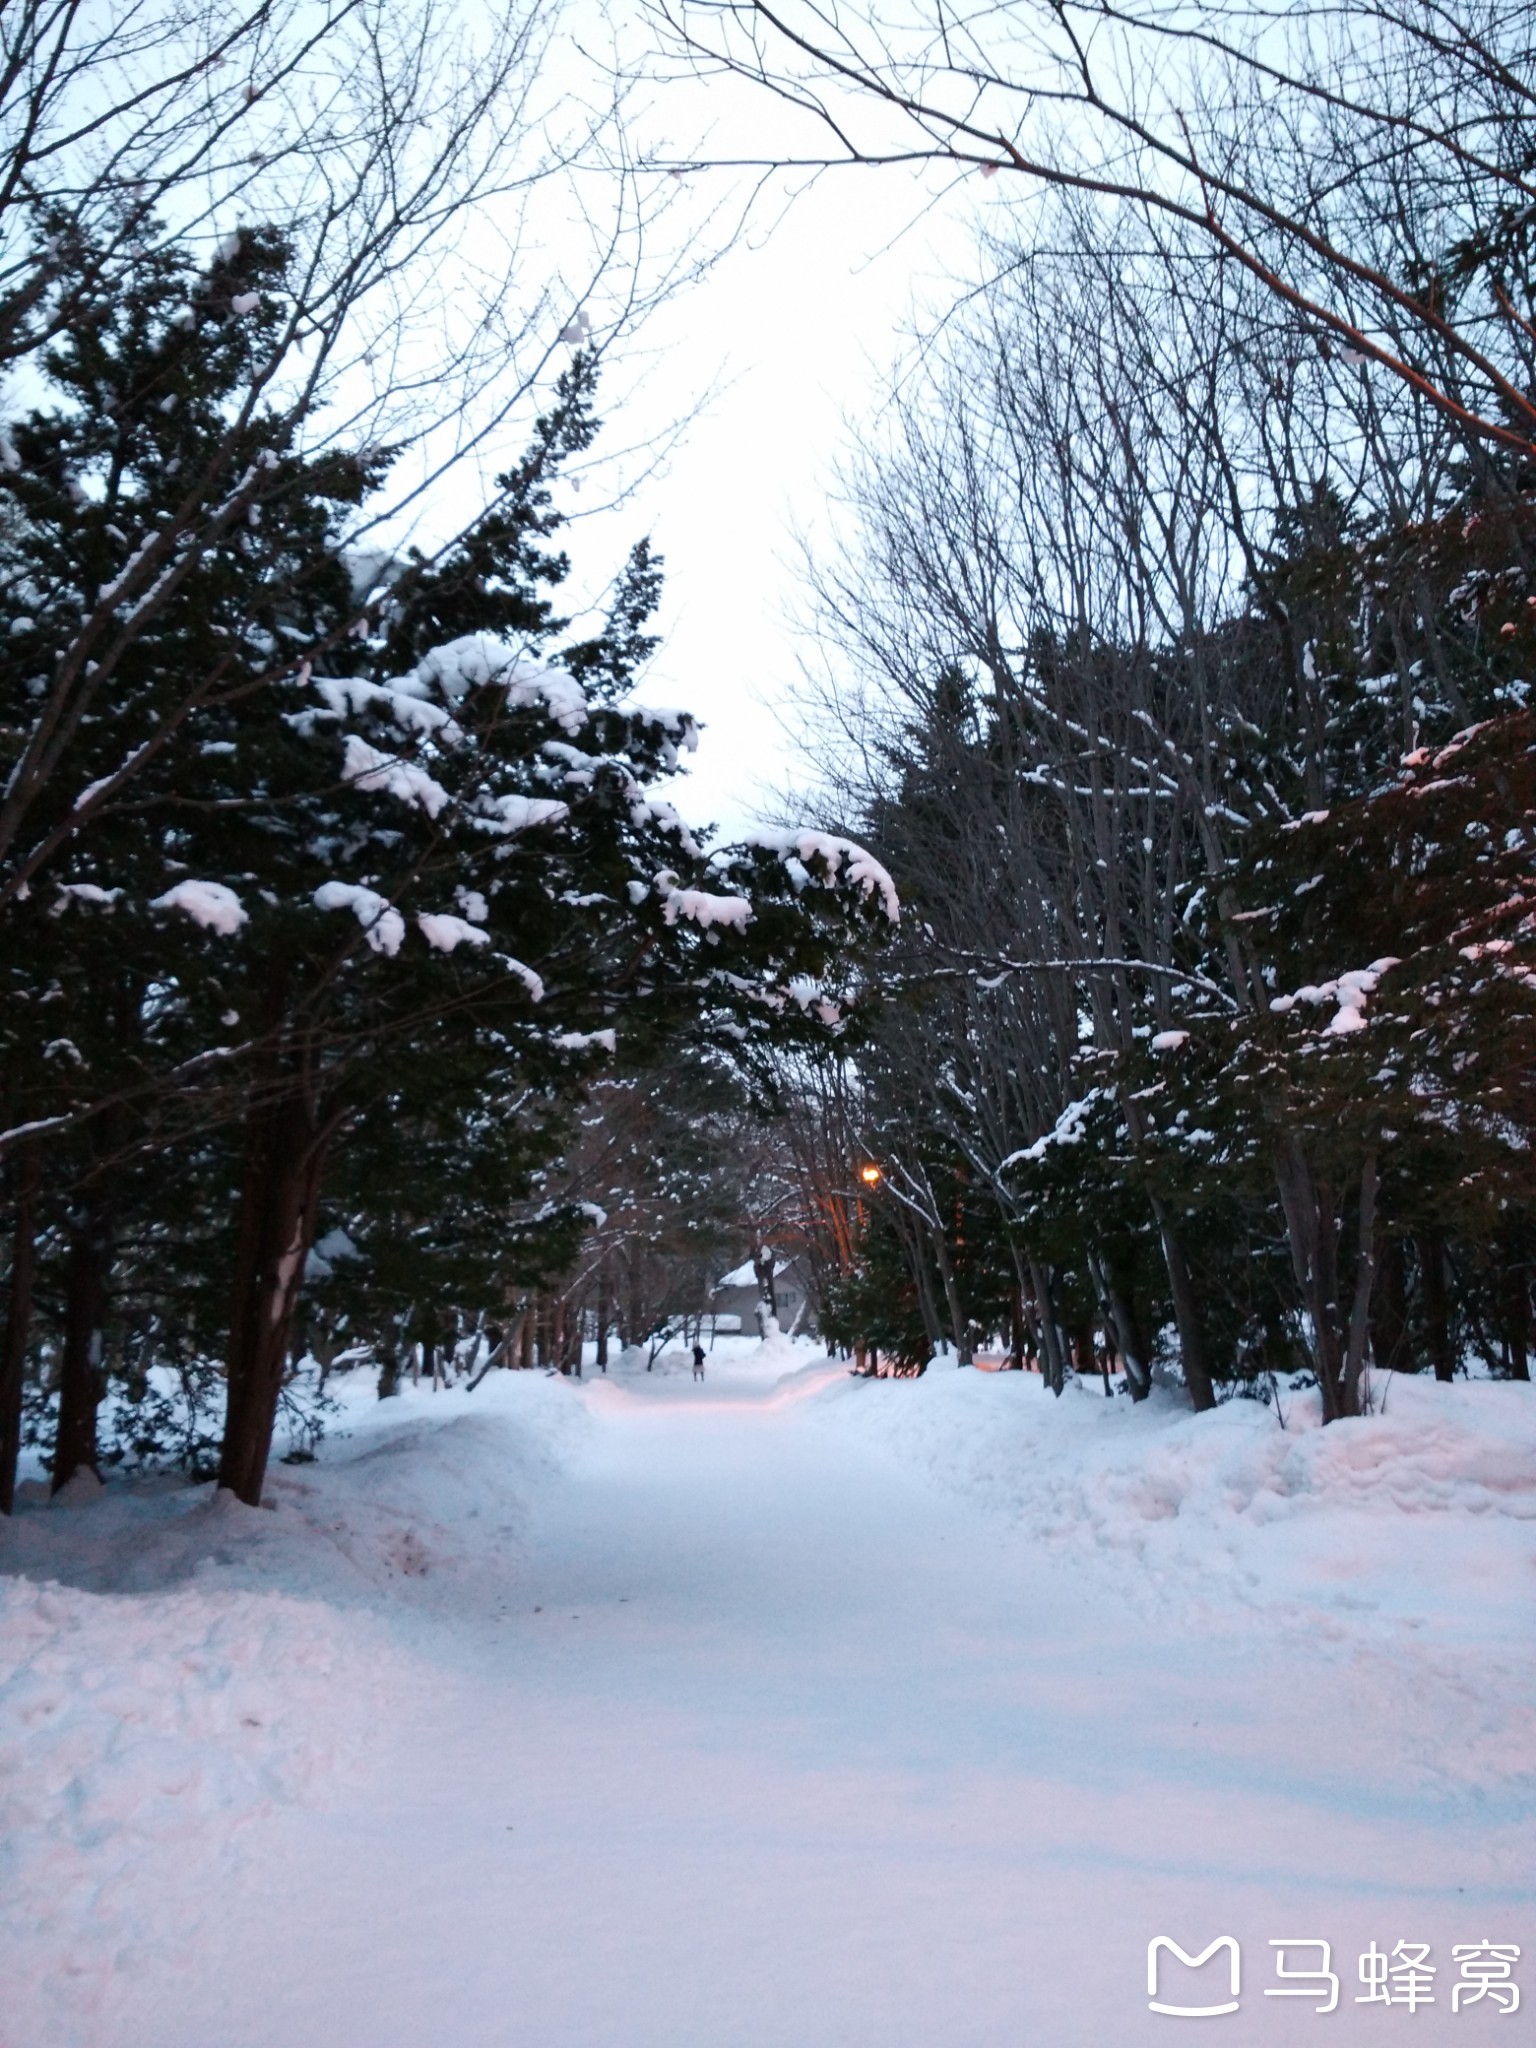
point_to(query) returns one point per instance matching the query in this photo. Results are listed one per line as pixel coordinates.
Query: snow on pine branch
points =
(680, 729)
(863, 870)
(402, 700)
(1070, 1128)
(476, 659)
(383, 926)
(534, 983)
(699, 907)
(1349, 993)
(366, 768)
(443, 931)
(85, 892)
(209, 904)
(514, 813)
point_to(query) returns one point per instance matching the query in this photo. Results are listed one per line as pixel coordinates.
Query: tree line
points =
(1178, 651)
(333, 869)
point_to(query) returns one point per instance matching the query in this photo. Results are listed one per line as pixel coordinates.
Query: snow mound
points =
(139, 1733)
(1424, 1512)
(175, 1668)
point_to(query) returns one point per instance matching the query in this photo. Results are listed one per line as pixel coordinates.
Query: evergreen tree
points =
(416, 876)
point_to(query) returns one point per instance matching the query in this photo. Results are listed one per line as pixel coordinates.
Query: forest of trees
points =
(1176, 654)
(334, 874)
(361, 996)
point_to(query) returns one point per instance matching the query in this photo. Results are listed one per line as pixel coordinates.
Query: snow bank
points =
(139, 1736)
(175, 1667)
(1425, 1514)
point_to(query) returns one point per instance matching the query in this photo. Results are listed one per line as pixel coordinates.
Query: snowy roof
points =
(746, 1276)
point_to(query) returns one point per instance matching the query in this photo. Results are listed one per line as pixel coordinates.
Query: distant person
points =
(698, 1361)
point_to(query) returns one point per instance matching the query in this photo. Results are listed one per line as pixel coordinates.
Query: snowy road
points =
(747, 1736)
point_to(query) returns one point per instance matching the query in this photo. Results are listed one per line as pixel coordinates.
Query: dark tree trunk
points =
(959, 1322)
(1053, 1364)
(1517, 1316)
(284, 1157)
(1437, 1318)
(1128, 1338)
(1016, 1325)
(1186, 1311)
(80, 1374)
(767, 1287)
(1090, 1359)
(389, 1365)
(26, 1173)
(1312, 1226)
(602, 1325)
(1391, 1344)
(912, 1236)
(1084, 1351)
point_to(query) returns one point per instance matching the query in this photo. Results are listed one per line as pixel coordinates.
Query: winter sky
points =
(788, 340)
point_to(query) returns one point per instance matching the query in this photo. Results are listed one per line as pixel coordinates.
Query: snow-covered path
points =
(747, 1736)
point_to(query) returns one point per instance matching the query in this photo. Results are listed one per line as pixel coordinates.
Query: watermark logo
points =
(1402, 1976)
(1193, 2012)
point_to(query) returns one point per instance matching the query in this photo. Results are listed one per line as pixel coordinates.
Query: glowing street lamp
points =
(870, 1175)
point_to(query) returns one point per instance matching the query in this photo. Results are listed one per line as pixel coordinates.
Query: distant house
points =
(736, 1296)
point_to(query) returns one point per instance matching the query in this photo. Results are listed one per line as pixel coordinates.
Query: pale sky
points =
(796, 325)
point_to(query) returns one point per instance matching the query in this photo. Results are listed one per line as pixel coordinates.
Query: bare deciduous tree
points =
(1368, 165)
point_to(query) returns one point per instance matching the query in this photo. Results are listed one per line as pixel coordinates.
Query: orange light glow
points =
(870, 1175)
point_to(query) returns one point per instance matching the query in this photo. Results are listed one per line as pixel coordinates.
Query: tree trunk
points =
(1086, 1353)
(1309, 1233)
(1517, 1318)
(504, 1350)
(1016, 1322)
(1437, 1319)
(958, 1320)
(602, 1325)
(80, 1375)
(1053, 1364)
(763, 1265)
(1133, 1356)
(1186, 1313)
(1365, 1275)
(389, 1365)
(1312, 1232)
(927, 1307)
(1391, 1347)
(284, 1158)
(26, 1175)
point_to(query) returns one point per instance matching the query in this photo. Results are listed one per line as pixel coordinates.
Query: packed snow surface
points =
(779, 1711)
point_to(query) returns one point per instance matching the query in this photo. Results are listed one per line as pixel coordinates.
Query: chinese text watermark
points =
(1479, 1972)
